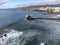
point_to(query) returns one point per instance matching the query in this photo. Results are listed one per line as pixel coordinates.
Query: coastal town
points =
(54, 10)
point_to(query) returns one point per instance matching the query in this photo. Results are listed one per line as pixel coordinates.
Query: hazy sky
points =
(20, 3)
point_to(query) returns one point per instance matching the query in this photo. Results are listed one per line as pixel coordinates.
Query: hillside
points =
(37, 6)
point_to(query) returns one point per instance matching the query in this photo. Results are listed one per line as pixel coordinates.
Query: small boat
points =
(28, 17)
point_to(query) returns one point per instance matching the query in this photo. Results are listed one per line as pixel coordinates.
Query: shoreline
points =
(51, 12)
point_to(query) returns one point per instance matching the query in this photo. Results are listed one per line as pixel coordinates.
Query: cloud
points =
(21, 5)
(24, 5)
(39, 2)
(36, 2)
(52, 1)
(4, 2)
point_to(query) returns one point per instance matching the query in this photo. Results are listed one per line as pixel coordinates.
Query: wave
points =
(29, 37)
(56, 16)
(10, 38)
(13, 37)
(51, 35)
(32, 36)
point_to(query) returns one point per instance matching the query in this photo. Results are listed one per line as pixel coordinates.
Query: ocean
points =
(15, 29)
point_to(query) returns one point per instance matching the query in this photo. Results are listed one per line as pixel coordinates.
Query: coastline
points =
(52, 10)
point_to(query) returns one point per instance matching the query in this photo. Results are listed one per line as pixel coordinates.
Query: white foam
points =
(10, 35)
(41, 43)
(57, 16)
(26, 15)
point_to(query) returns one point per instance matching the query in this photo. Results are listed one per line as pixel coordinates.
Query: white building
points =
(56, 9)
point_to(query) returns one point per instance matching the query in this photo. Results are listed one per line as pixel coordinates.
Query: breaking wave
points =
(13, 37)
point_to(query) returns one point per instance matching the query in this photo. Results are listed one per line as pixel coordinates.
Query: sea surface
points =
(15, 29)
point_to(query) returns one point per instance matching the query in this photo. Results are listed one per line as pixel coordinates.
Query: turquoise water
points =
(35, 32)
